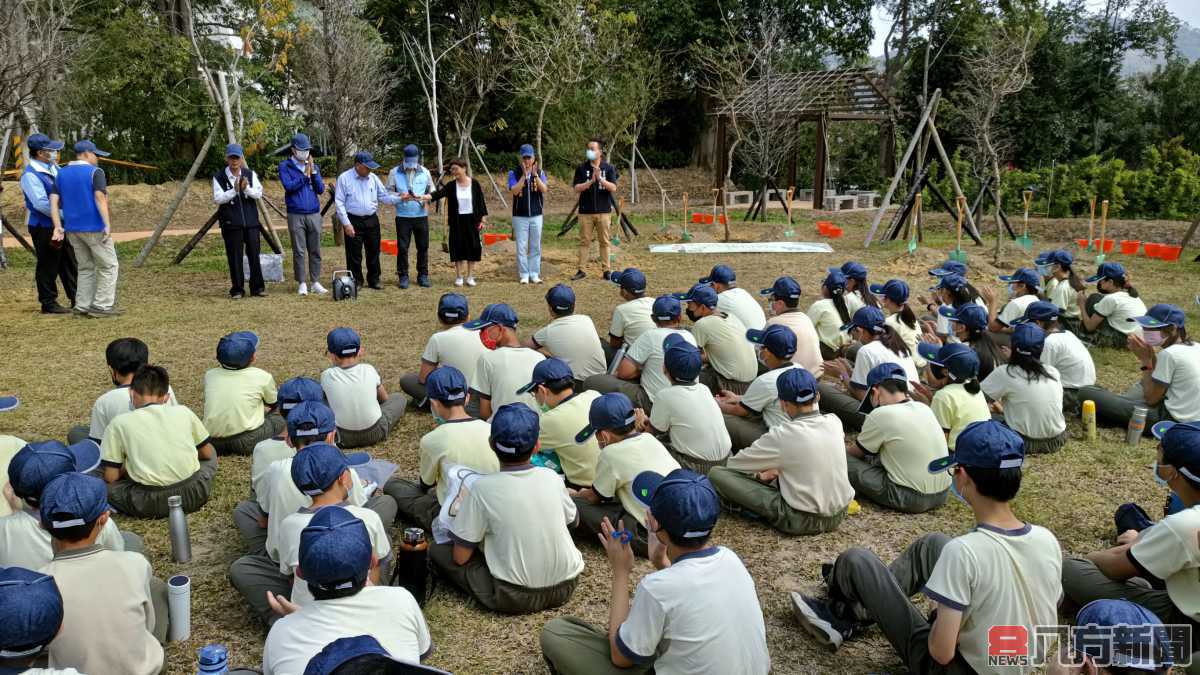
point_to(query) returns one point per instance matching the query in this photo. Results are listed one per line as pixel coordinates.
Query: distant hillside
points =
(1187, 43)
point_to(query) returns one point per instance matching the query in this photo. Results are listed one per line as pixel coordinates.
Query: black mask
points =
(692, 316)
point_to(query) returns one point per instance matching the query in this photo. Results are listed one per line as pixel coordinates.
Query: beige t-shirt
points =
(574, 340)
(762, 397)
(810, 454)
(1170, 550)
(9, 446)
(739, 303)
(1059, 292)
(647, 352)
(289, 544)
(501, 372)
(25, 543)
(955, 408)
(621, 462)
(155, 444)
(808, 343)
(112, 403)
(1032, 408)
(692, 418)
(632, 318)
(907, 437)
(1118, 308)
(353, 395)
(462, 442)
(723, 339)
(456, 347)
(279, 497)
(828, 324)
(234, 400)
(265, 454)
(559, 425)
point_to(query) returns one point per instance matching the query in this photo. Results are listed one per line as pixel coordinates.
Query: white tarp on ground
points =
(744, 247)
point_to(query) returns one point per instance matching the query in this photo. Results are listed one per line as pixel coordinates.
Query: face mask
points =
(1157, 478)
(692, 316)
(543, 407)
(488, 341)
(1012, 290)
(1153, 338)
(410, 164)
(438, 419)
(54, 157)
(591, 155)
(301, 155)
(770, 309)
(954, 491)
(1046, 270)
(761, 359)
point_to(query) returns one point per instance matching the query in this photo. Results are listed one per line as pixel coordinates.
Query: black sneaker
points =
(55, 309)
(376, 287)
(607, 275)
(404, 281)
(423, 281)
(819, 620)
(578, 275)
(236, 296)
(258, 294)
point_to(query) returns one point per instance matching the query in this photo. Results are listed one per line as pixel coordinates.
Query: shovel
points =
(1103, 229)
(789, 232)
(1024, 239)
(687, 236)
(1091, 222)
(959, 255)
(916, 218)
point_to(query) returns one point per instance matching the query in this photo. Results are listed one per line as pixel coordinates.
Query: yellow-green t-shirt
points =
(559, 427)
(723, 339)
(955, 408)
(463, 442)
(234, 399)
(907, 437)
(156, 444)
(621, 462)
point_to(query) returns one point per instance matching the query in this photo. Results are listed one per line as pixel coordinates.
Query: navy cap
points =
(1059, 257)
(1181, 446)
(1161, 316)
(683, 502)
(236, 349)
(343, 650)
(950, 282)
(894, 290)
(835, 280)
(364, 157)
(343, 341)
(609, 411)
(88, 146)
(1039, 311)
(31, 612)
(720, 274)
(526, 150)
(316, 467)
(1023, 275)
(1144, 646)
(776, 338)
(681, 358)
(515, 429)
(548, 370)
(868, 318)
(446, 385)
(1108, 270)
(886, 371)
(335, 550)
(855, 270)
(796, 385)
(38, 142)
(1028, 339)
(310, 419)
(970, 315)
(298, 390)
(411, 151)
(784, 288)
(701, 294)
(985, 445)
(949, 267)
(234, 150)
(959, 360)
(498, 314)
(666, 308)
(561, 297)
(72, 499)
(36, 464)
(630, 279)
(452, 307)
(8, 403)
(301, 142)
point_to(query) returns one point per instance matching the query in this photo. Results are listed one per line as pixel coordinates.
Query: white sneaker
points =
(535, 279)
(524, 280)
(458, 281)
(303, 289)
(318, 288)
(470, 281)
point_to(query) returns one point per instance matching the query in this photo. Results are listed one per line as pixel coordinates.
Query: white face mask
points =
(591, 155)
(301, 155)
(53, 157)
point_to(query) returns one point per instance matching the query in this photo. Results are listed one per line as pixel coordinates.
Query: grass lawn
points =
(56, 365)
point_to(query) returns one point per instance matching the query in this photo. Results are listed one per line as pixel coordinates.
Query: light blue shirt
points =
(34, 189)
(359, 196)
(422, 183)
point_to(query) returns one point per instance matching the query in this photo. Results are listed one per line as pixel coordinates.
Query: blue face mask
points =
(1157, 478)
(1012, 289)
(438, 419)
(954, 491)
(1046, 270)
(591, 155)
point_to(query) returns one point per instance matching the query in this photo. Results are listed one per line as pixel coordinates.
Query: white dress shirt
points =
(254, 188)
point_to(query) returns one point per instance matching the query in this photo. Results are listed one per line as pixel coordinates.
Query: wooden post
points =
(1103, 223)
(1091, 220)
(937, 142)
(722, 152)
(1191, 230)
(790, 193)
(908, 152)
(716, 195)
(724, 215)
(187, 248)
(274, 236)
(17, 235)
(820, 161)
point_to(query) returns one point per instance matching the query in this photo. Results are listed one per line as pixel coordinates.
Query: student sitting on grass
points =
(569, 336)
(1169, 386)
(749, 415)
(452, 346)
(783, 308)
(156, 451)
(364, 411)
(1065, 352)
(124, 356)
(729, 361)
(1029, 393)
(1104, 316)
(829, 314)
(794, 476)
(958, 399)
(888, 461)
(688, 413)
(733, 300)
(1024, 289)
(880, 344)
(337, 557)
(458, 439)
(640, 375)
(1115, 637)
(564, 412)
(31, 613)
(632, 317)
(520, 516)
(624, 453)
(115, 617)
(239, 399)
(505, 365)
(969, 323)
(1004, 572)
(949, 299)
(858, 290)
(894, 302)
(698, 612)
(1063, 286)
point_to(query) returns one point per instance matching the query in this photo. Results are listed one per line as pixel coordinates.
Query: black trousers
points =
(366, 235)
(412, 228)
(241, 241)
(53, 263)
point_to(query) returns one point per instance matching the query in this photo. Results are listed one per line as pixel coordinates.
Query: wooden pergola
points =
(821, 96)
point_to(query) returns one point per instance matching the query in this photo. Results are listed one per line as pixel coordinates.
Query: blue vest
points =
(37, 218)
(420, 186)
(78, 199)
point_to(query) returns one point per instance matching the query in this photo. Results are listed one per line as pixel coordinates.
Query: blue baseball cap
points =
(1123, 635)
(868, 318)
(297, 390)
(855, 270)
(985, 445)
(315, 467)
(1039, 311)
(702, 294)
(683, 502)
(835, 280)
(446, 385)
(949, 267)
(72, 499)
(1028, 339)
(561, 297)
(777, 339)
(235, 350)
(681, 359)
(894, 290)
(335, 550)
(950, 282)
(1023, 275)
(301, 142)
(959, 360)
(1108, 270)
(548, 370)
(1161, 316)
(234, 150)
(498, 314)
(796, 385)
(364, 157)
(31, 612)
(343, 341)
(630, 279)
(784, 288)
(970, 315)
(310, 419)
(526, 150)
(666, 308)
(452, 307)
(720, 274)
(886, 371)
(36, 464)
(39, 142)
(609, 411)
(88, 146)
(411, 151)
(1181, 446)
(1059, 257)
(515, 429)
(343, 650)
(8, 403)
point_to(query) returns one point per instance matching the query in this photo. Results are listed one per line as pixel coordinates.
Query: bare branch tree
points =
(475, 70)
(33, 42)
(768, 137)
(726, 68)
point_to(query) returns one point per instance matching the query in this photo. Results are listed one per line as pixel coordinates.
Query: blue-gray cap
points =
(343, 341)
(498, 314)
(561, 297)
(297, 390)
(701, 294)
(776, 338)
(681, 358)
(365, 158)
(515, 429)
(526, 150)
(1122, 634)
(446, 385)
(666, 308)
(1028, 339)
(335, 550)
(1039, 311)
(310, 419)
(234, 150)
(88, 146)
(1160, 316)
(71, 500)
(31, 612)
(452, 307)
(36, 464)
(39, 142)
(609, 411)
(235, 350)
(720, 274)
(548, 370)
(301, 142)
(411, 151)
(796, 385)
(987, 444)
(784, 288)
(683, 502)
(316, 467)
(630, 279)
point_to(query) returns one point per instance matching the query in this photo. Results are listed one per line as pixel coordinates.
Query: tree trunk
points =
(541, 118)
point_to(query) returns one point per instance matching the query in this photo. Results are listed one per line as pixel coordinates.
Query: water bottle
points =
(411, 563)
(214, 660)
(181, 543)
(1137, 424)
(1089, 420)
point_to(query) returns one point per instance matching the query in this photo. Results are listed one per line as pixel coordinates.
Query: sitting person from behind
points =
(239, 399)
(364, 410)
(564, 413)
(569, 336)
(749, 415)
(453, 345)
(688, 416)
(124, 356)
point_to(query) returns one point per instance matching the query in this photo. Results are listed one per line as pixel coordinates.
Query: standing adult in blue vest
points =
(55, 260)
(236, 191)
(527, 184)
(301, 179)
(412, 182)
(81, 192)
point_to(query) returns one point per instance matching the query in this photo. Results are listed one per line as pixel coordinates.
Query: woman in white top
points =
(894, 301)
(1024, 288)
(830, 313)
(1062, 286)
(1108, 318)
(1028, 393)
(466, 216)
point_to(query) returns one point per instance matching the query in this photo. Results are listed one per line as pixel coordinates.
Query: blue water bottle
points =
(214, 660)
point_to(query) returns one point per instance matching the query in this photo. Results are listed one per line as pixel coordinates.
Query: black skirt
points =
(464, 238)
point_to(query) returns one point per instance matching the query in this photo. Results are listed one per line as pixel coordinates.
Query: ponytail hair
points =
(864, 290)
(907, 316)
(892, 340)
(1073, 279)
(1033, 368)
(839, 301)
(965, 295)
(972, 386)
